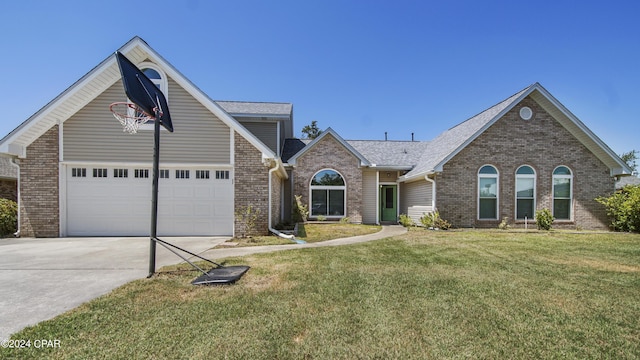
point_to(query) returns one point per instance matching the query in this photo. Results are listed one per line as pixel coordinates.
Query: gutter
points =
(433, 191)
(271, 229)
(13, 163)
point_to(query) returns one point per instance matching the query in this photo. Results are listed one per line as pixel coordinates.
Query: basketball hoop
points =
(130, 115)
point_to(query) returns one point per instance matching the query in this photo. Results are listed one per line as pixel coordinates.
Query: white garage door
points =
(116, 201)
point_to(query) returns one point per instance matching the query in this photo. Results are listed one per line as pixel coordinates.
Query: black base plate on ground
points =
(221, 275)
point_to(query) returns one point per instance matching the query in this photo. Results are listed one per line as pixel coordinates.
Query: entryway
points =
(388, 203)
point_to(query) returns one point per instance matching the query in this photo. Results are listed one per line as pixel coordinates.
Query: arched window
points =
(525, 192)
(562, 193)
(487, 193)
(158, 77)
(327, 194)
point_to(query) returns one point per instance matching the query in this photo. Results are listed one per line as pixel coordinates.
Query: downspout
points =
(433, 191)
(271, 229)
(13, 163)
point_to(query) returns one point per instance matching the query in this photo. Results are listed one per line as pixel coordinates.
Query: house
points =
(80, 175)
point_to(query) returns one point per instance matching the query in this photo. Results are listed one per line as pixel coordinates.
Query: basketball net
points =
(129, 115)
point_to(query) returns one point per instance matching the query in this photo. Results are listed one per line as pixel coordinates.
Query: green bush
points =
(433, 220)
(623, 207)
(8, 217)
(405, 220)
(544, 219)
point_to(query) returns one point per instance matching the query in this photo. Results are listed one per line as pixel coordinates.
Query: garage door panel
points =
(121, 206)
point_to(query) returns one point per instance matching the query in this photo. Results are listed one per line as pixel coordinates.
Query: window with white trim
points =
(141, 173)
(222, 174)
(525, 192)
(488, 193)
(328, 190)
(78, 172)
(182, 174)
(99, 173)
(159, 79)
(562, 193)
(202, 174)
(120, 173)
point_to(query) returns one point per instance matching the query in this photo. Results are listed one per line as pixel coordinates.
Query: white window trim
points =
(326, 187)
(495, 176)
(553, 197)
(163, 84)
(535, 193)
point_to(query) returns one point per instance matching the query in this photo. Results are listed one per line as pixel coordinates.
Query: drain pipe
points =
(13, 163)
(271, 229)
(433, 192)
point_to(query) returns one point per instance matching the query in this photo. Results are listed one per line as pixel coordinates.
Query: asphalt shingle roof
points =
(390, 153)
(451, 140)
(255, 108)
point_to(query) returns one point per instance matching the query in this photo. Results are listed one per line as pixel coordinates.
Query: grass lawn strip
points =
(422, 295)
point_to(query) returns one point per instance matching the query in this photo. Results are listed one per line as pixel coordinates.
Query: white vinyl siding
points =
(416, 198)
(267, 132)
(93, 134)
(369, 197)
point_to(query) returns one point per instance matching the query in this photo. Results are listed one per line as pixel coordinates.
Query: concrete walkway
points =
(42, 278)
(387, 231)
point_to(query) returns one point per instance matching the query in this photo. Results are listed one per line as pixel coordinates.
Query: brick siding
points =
(251, 188)
(330, 154)
(39, 190)
(510, 142)
(9, 189)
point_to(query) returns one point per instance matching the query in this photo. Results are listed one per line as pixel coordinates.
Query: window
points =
(327, 194)
(141, 173)
(158, 77)
(525, 192)
(164, 174)
(120, 173)
(100, 173)
(182, 174)
(488, 193)
(202, 174)
(562, 193)
(222, 174)
(78, 172)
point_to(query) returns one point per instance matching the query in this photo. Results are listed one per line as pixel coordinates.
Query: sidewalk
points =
(387, 231)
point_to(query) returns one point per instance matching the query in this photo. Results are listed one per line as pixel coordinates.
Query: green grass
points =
(310, 232)
(426, 294)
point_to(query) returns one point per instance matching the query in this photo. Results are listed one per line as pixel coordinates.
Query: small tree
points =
(300, 210)
(630, 158)
(623, 207)
(248, 216)
(311, 131)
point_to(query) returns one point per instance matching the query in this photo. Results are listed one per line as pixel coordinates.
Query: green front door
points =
(388, 201)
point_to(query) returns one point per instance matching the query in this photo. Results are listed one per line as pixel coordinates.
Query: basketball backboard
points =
(143, 92)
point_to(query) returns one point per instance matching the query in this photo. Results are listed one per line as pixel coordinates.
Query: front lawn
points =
(309, 232)
(425, 294)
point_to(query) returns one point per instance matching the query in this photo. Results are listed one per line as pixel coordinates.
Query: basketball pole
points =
(154, 193)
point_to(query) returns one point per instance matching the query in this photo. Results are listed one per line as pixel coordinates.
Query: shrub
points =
(433, 220)
(300, 210)
(345, 220)
(623, 207)
(504, 224)
(544, 219)
(405, 220)
(248, 216)
(8, 217)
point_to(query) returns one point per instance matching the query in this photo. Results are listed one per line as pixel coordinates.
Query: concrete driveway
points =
(42, 278)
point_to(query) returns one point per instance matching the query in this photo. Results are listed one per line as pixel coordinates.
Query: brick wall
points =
(330, 154)
(251, 185)
(39, 190)
(541, 143)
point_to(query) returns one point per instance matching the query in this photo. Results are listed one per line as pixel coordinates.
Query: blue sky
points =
(360, 67)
